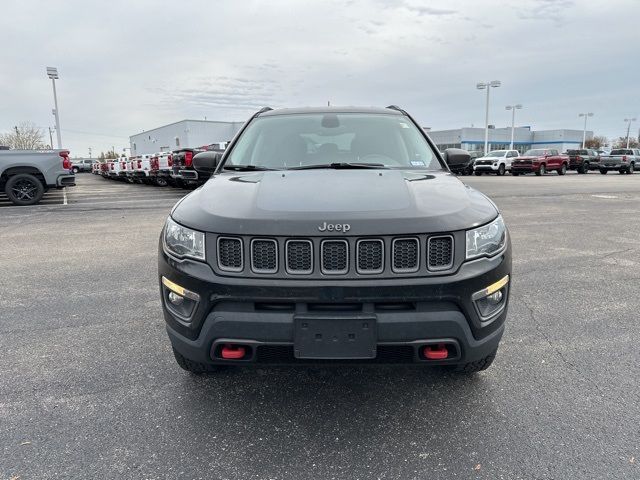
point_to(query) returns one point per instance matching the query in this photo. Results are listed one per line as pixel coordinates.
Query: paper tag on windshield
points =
(417, 163)
(403, 125)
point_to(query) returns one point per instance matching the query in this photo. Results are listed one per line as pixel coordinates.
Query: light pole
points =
(488, 86)
(629, 120)
(52, 73)
(584, 130)
(513, 109)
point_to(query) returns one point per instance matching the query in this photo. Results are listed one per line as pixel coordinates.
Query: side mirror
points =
(206, 162)
(456, 156)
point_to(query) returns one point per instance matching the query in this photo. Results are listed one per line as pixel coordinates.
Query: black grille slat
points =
(440, 255)
(264, 256)
(230, 254)
(370, 256)
(406, 255)
(299, 256)
(335, 256)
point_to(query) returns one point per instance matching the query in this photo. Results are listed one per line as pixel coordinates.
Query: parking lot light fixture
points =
(52, 73)
(628, 122)
(513, 109)
(488, 86)
(584, 130)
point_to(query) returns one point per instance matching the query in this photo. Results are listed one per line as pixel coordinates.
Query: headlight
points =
(182, 241)
(486, 240)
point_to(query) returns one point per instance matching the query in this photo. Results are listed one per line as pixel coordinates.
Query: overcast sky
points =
(129, 66)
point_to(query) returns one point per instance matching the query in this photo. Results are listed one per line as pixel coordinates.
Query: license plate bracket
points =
(335, 338)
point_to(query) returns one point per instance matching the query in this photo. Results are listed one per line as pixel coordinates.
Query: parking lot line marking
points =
(64, 196)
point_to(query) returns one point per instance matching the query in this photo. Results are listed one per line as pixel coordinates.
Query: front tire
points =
(161, 182)
(24, 189)
(542, 170)
(563, 169)
(584, 168)
(603, 171)
(501, 170)
(477, 366)
(478, 174)
(631, 168)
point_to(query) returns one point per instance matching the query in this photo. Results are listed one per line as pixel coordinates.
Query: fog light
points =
(175, 299)
(495, 298)
(491, 300)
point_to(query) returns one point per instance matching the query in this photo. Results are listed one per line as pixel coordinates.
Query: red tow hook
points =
(435, 352)
(233, 352)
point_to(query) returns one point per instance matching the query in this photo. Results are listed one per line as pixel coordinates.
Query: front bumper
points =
(527, 168)
(66, 180)
(409, 312)
(485, 168)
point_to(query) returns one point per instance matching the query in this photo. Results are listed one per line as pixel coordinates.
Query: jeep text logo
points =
(334, 227)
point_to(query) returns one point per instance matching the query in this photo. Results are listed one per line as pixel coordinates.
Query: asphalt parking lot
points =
(89, 387)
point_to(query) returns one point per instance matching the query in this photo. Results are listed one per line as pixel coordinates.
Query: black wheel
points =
(631, 168)
(622, 171)
(603, 171)
(469, 170)
(75, 169)
(477, 366)
(478, 174)
(584, 168)
(563, 169)
(195, 367)
(542, 170)
(24, 189)
(515, 174)
(161, 182)
(501, 169)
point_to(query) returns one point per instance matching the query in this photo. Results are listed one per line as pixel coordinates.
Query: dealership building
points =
(183, 134)
(524, 138)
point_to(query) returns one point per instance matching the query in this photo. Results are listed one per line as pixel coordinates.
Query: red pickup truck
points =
(540, 161)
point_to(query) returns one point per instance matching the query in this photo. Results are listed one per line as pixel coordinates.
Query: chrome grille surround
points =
(230, 254)
(371, 252)
(297, 250)
(440, 253)
(334, 257)
(264, 255)
(403, 250)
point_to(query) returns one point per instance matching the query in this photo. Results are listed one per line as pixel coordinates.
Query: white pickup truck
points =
(624, 160)
(26, 174)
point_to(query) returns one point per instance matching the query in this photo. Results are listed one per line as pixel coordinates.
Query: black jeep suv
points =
(333, 235)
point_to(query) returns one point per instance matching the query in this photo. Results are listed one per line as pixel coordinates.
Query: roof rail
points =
(395, 107)
(262, 110)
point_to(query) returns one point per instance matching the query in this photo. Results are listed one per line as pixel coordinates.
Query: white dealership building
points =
(524, 138)
(182, 134)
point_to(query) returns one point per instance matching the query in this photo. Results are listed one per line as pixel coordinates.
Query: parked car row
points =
(542, 160)
(162, 169)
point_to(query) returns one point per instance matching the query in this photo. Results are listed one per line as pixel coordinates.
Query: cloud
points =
(547, 10)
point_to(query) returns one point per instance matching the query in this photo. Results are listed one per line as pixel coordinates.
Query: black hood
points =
(372, 202)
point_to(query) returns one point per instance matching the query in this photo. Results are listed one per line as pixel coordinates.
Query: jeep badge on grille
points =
(334, 227)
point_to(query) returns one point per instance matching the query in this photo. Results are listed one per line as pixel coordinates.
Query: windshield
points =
(497, 153)
(534, 153)
(305, 140)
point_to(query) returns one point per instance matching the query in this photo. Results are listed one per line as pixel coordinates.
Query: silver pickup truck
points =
(624, 160)
(26, 174)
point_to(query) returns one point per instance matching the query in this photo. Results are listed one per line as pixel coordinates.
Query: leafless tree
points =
(25, 136)
(596, 142)
(621, 142)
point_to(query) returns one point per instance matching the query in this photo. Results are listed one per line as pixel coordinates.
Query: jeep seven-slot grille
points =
(230, 254)
(370, 256)
(317, 257)
(440, 252)
(264, 256)
(405, 255)
(335, 256)
(299, 256)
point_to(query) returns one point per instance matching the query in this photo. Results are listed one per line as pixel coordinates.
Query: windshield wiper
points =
(339, 165)
(246, 168)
